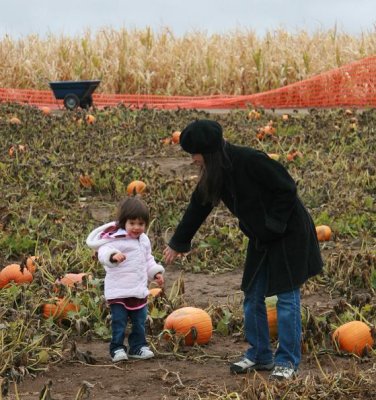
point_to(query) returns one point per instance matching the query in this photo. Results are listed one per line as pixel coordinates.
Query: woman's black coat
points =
(262, 195)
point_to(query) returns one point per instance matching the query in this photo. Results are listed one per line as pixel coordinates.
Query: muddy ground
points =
(195, 372)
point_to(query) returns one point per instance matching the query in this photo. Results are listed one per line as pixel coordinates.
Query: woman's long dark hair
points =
(212, 176)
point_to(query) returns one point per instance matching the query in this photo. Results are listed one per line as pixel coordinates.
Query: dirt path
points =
(196, 371)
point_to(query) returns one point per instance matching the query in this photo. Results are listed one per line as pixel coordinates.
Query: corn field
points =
(141, 61)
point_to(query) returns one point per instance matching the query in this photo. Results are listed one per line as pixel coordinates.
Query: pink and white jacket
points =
(130, 277)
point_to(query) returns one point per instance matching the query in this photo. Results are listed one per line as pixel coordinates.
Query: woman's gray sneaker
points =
(280, 373)
(244, 365)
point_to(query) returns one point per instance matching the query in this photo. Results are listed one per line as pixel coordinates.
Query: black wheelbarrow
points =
(74, 93)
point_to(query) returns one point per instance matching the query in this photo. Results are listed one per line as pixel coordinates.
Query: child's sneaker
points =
(119, 355)
(143, 353)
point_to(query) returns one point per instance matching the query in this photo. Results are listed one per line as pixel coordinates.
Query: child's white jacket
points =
(130, 277)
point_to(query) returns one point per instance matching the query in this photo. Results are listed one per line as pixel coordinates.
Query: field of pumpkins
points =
(63, 173)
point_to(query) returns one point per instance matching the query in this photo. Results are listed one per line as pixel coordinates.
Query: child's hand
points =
(158, 278)
(118, 257)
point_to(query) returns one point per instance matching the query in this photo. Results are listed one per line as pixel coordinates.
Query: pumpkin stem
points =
(194, 333)
(23, 264)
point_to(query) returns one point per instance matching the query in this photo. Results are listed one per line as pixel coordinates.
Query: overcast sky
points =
(19, 18)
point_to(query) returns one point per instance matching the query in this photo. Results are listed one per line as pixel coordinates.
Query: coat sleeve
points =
(274, 177)
(193, 217)
(153, 267)
(104, 254)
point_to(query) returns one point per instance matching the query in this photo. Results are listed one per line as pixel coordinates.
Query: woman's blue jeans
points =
(119, 320)
(288, 353)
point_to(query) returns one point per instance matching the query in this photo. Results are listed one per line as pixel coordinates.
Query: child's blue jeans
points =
(119, 320)
(288, 353)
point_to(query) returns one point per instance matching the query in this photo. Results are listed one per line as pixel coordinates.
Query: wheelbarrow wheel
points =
(86, 102)
(71, 101)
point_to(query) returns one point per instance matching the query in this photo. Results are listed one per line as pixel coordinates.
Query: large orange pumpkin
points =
(14, 273)
(136, 187)
(353, 337)
(60, 309)
(193, 323)
(324, 233)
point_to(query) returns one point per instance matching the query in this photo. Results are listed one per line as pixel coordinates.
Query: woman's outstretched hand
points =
(169, 255)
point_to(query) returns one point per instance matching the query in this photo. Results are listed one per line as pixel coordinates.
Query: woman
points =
(283, 251)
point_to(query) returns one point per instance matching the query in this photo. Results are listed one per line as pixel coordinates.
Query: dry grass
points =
(147, 62)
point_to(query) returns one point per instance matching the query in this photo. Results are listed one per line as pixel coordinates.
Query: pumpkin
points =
(136, 187)
(15, 121)
(90, 119)
(253, 115)
(293, 154)
(272, 321)
(193, 323)
(354, 337)
(274, 156)
(324, 233)
(86, 181)
(269, 130)
(14, 273)
(166, 141)
(155, 292)
(71, 279)
(175, 137)
(46, 110)
(30, 263)
(271, 312)
(60, 309)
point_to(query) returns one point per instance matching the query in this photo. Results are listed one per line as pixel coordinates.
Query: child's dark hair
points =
(132, 208)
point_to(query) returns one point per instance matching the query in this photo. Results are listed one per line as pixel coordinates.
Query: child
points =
(125, 252)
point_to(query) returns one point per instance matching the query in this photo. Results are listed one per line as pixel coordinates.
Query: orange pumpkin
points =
(136, 187)
(293, 154)
(155, 292)
(353, 337)
(272, 321)
(271, 311)
(269, 130)
(324, 233)
(15, 121)
(175, 137)
(60, 309)
(46, 110)
(71, 279)
(86, 181)
(90, 119)
(30, 263)
(193, 323)
(14, 273)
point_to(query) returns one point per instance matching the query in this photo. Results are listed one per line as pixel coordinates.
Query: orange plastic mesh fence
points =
(353, 85)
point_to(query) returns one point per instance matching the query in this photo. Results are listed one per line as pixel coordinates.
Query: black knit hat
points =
(202, 137)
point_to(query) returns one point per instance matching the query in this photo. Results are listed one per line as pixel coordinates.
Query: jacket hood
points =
(94, 240)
